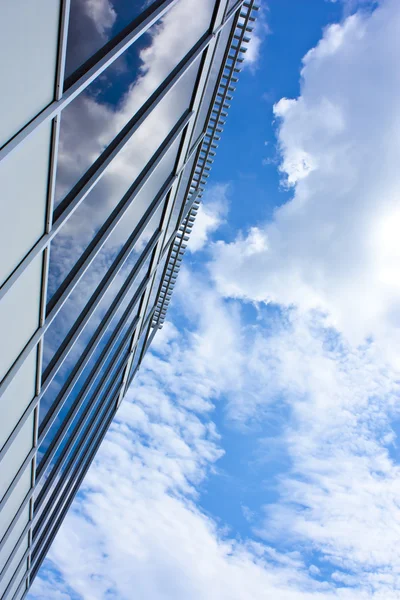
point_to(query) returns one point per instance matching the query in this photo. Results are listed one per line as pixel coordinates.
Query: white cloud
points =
(339, 496)
(135, 525)
(257, 36)
(88, 125)
(210, 217)
(102, 14)
(253, 51)
(334, 246)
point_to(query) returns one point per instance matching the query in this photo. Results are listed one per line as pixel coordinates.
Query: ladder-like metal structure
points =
(227, 77)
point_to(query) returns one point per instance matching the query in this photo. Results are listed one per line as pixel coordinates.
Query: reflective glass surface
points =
(180, 198)
(61, 325)
(156, 286)
(93, 24)
(68, 246)
(87, 345)
(138, 350)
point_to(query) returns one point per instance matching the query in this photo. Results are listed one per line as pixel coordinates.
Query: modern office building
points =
(110, 115)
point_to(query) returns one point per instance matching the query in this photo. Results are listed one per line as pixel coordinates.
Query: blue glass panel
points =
(52, 395)
(93, 24)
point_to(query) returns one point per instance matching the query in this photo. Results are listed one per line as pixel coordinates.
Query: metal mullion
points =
(167, 213)
(60, 491)
(94, 173)
(14, 551)
(80, 323)
(71, 497)
(16, 573)
(94, 342)
(48, 495)
(17, 477)
(86, 417)
(47, 237)
(16, 518)
(232, 13)
(46, 252)
(85, 390)
(94, 301)
(115, 217)
(37, 336)
(62, 48)
(117, 46)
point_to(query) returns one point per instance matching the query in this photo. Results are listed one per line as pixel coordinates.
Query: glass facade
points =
(102, 168)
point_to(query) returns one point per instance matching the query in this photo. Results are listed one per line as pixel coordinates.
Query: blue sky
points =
(256, 454)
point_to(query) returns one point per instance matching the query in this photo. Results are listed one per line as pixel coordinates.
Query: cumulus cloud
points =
(258, 35)
(334, 245)
(210, 217)
(102, 13)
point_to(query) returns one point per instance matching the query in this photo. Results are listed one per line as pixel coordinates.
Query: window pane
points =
(138, 351)
(219, 53)
(180, 198)
(70, 243)
(52, 395)
(156, 285)
(91, 26)
(77, 451)
(14, 501)
(10, 572)
(16, 455)
(88, 126)
(89, 406)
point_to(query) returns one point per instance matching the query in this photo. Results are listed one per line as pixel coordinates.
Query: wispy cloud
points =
(211, 215)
